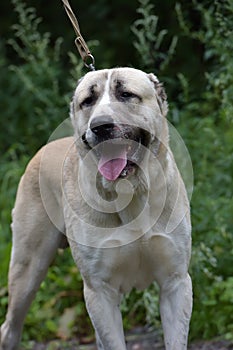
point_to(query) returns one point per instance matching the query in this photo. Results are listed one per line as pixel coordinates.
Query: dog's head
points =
(117, 114)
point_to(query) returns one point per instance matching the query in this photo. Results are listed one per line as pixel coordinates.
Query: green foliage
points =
(141, 307)
(149, 43)
(216, 34)
(206, 124)
(43, 93)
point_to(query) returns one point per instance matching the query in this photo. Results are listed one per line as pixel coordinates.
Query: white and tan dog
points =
(115, 191)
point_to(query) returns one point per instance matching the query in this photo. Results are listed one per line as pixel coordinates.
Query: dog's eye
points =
(88, 101)
(127, 95)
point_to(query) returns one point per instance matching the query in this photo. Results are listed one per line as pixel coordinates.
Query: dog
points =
(112, 192)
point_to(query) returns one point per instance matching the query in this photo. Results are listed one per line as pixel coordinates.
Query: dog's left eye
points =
(127, 94)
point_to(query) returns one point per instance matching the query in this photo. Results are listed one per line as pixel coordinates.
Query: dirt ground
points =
(135, 341)
(148, 344)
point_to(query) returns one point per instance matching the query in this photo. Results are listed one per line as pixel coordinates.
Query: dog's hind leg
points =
(35, 242)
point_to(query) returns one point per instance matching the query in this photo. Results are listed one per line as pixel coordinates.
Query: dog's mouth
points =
(119, 151)
(116, 158)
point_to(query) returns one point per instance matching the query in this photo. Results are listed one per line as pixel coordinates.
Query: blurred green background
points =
(189, 46)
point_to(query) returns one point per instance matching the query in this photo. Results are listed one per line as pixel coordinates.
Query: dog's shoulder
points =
(47, 164)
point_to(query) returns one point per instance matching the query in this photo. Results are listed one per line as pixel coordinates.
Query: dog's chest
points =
(121, 267)
(135, 270)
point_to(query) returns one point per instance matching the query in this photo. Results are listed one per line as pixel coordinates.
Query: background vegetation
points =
(189, 45)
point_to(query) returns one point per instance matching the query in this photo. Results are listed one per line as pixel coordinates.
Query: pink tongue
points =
(111, 166)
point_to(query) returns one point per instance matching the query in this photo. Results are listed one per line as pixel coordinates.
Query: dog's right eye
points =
(88, 101)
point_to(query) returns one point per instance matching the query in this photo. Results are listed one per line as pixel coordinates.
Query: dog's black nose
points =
(102, 124)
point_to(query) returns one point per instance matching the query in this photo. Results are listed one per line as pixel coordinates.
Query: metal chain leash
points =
(79, 41)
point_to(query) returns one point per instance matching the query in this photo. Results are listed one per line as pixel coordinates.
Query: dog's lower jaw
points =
(136, 181)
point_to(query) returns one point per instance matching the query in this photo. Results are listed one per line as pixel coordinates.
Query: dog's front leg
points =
(175, 309)
(103, 307)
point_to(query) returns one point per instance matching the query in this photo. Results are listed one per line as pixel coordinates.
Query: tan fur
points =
(115, 248)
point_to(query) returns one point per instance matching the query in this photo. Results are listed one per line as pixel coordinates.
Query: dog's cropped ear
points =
(79, 81)
(160, 93)
(72, 110)
(72, 103)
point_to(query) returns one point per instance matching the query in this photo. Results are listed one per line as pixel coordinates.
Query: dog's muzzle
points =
(119, 148)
